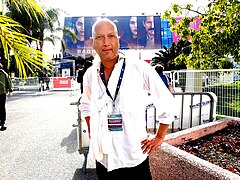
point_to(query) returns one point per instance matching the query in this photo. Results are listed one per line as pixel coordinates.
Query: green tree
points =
(166, 56)
(13, 40)
(218, 37)
(38, 27)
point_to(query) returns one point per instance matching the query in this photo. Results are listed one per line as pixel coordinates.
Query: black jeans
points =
(140, 172)
(2, 109)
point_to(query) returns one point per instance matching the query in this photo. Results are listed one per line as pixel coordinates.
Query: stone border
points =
(169, 162)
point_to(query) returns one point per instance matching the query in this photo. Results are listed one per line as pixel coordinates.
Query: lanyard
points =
(118, 84)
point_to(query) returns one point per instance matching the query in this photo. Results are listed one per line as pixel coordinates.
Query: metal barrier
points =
(199, 104)
(192, 109)
(54, 83)
(225, 83)
(31, 83)
(153, 118)
(82, 135)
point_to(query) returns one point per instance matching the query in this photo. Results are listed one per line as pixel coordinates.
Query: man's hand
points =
(149, 145)
(9, 94)
(88, 124)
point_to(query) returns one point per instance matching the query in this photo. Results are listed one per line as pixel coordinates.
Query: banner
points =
(136, 32)
(61, 83)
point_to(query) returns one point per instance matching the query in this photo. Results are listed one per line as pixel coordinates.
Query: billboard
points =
(136, 32)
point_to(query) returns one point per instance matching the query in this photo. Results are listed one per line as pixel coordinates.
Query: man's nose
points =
(106, 40)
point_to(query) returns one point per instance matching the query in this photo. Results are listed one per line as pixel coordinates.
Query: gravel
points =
(221, 148)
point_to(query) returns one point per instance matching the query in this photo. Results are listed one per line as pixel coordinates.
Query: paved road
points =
(40, 142)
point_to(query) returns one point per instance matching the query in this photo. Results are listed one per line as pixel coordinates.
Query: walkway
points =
(40, 142)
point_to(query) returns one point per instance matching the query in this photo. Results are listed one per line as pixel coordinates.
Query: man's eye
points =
(99, 37)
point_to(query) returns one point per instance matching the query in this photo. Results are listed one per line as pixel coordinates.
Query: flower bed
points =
(170, 162)
(221, 148)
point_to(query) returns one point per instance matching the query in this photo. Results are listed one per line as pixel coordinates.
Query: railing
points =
(31, 83)
(200, 116)
(193, 109)
(225, 83)
(82, 135)
(55, 83)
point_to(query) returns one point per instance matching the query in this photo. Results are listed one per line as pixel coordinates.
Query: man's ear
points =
(91, 40)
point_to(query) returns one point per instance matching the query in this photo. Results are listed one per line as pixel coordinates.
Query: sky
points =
(113, 8)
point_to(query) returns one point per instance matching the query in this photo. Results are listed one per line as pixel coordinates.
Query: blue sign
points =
(66, 64)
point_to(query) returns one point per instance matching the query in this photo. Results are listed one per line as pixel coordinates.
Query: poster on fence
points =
(61, 83)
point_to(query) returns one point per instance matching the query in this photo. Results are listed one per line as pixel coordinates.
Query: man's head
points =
(159, 68)
(148, 23)
(105, 39)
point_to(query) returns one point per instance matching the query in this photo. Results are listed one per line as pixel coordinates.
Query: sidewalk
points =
(40, 142)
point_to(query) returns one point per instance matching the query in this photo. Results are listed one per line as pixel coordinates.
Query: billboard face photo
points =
(81, 27)
(136, 32)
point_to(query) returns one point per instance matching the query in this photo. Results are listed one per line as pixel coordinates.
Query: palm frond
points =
(69, 32)
(15, 41)
(30, 6)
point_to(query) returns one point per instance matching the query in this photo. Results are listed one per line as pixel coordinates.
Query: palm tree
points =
(13, 40)
(166, 56)
(39, 28)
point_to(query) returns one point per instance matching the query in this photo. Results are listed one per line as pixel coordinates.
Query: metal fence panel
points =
(225, 83)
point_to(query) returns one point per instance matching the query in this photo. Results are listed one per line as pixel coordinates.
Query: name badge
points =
(115, 122)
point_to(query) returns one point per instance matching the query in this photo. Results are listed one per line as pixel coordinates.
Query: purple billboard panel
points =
(136, 32)
(194, 25)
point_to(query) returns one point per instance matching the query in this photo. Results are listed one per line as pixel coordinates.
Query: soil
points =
(221, 148)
